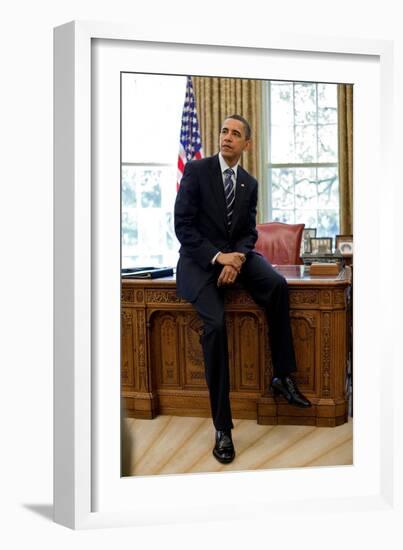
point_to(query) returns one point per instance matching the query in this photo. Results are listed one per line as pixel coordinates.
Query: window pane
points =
(151, 117)
(305, 103)
(151, 231)
(129, 228)
(283, 188)
(328, 223)
(305, 144)
(305, 188)
(150, 188)
(143, 261)
(128, 188)
(327, 143)
(327, 103)
(282, 113)
(148, 236)
(308, 217)
(285, 216)
(307, 195)
(328, 188)
(282, 144)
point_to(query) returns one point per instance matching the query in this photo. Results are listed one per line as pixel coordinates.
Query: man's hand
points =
(227, 275)
(233, 259)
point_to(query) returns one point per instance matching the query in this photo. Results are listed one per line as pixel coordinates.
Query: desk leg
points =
(139, 399)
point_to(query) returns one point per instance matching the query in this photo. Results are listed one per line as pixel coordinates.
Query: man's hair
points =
(248, 131)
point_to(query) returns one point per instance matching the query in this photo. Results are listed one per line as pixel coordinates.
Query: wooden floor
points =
(174, 444)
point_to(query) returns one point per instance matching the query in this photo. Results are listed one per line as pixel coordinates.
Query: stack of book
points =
(147, 272)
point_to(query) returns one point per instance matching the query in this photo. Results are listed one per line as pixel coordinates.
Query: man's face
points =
(232, 140)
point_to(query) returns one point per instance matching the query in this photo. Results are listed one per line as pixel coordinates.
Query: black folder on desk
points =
(147, 272)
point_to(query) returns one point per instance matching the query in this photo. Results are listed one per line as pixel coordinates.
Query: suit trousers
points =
(269, 290)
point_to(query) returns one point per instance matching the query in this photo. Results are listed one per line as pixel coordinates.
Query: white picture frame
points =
(88, 489)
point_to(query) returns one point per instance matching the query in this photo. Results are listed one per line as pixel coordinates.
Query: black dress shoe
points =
(224, 448)
(287, 387)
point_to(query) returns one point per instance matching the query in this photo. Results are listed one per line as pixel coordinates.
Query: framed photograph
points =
(148, 197)
(308, 234)
(88, 486)
(344, 244)
(321, 245)
(346, 248)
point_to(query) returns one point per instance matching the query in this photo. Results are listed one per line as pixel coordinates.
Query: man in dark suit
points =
(215, 222)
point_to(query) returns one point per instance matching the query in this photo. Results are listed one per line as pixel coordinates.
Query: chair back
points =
(280, 242)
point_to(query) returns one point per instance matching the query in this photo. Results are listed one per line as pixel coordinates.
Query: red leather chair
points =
(280, 242)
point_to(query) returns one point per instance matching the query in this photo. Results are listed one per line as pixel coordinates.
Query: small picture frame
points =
(308, 234)
(321, 245)
(344, 244)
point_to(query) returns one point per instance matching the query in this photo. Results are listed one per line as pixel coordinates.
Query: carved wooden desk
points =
(162, 369)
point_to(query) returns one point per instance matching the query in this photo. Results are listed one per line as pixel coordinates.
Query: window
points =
(302, 155)
(150, 145)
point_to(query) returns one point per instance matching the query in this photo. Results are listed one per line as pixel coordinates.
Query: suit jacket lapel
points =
(217, 188)
(239, 196)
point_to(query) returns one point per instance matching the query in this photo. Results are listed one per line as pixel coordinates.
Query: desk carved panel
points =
(162, 369)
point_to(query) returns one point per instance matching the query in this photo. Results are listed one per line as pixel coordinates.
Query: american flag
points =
(190, 147)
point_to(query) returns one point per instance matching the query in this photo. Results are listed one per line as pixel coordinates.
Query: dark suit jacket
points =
(201, 224)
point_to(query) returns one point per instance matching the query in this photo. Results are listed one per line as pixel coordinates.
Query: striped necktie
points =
(229, 190)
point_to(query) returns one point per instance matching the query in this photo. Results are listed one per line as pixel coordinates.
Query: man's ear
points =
(247, 145)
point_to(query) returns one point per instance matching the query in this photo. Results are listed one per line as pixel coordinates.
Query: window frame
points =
(165, 252)
(266, 206)
(169, 255)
